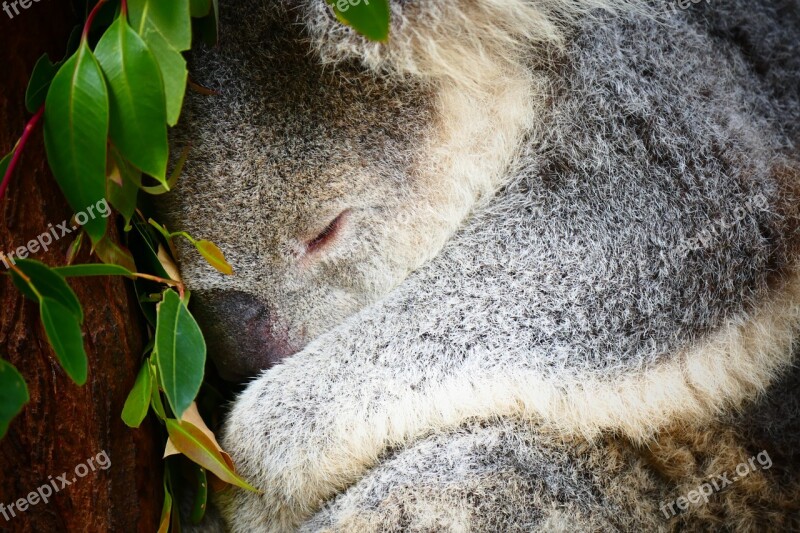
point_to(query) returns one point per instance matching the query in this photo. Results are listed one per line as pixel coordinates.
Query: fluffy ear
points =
(457, 39)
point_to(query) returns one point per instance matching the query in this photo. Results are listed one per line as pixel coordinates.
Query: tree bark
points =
(64, 425)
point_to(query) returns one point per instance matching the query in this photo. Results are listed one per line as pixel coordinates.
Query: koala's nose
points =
(240, 332)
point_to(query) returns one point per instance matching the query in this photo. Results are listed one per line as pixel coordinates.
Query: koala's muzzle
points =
(241, 333)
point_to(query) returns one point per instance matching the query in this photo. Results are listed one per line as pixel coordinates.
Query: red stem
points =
(35, 119)
(18, 152)
(124, 8)
(90, 19)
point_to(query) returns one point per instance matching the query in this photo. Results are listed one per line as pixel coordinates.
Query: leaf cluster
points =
(106, 109)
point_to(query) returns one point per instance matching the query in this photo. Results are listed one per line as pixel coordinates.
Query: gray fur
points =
(650, 210)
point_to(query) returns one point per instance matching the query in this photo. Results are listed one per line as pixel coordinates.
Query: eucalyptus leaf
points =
(166, 28)
(200, 496)
(166, 509)
(75, 133)
(136, 96)
(174, 73)
(4, 164)
(94, 269)
(155, 399)
(110, 252)
(42, 75)
(144, 244)
(370, 18)
(47, 283)
(144, 247)
(173, 177)
(75, 247)
(64, 333)
(138, 401)
(208, 27)
(170, 19)
(60, 312)
(180, 352)
(214, 256)
(73, 42)
(122, 185)
(194, 444)
(13, 394)
(200, 8)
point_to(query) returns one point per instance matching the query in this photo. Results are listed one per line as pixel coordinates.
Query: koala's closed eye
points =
(328, 234)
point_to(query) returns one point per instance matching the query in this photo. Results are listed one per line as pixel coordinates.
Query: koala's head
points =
(327, 168)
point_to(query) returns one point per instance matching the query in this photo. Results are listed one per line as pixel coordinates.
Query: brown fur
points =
(641, 478)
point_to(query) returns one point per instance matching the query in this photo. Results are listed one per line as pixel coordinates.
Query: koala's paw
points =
(300, 434)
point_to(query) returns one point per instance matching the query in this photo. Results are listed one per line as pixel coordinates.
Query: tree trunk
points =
(64, 425)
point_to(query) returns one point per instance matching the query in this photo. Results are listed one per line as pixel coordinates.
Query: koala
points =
(526, 266)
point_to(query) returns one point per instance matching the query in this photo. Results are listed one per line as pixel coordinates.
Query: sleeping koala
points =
(528, 266)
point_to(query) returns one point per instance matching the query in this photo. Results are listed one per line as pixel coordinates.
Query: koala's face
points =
(323, 185)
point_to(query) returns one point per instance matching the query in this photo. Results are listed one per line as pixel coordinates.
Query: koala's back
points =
(658, 200)
(635, 277)
(655, 204)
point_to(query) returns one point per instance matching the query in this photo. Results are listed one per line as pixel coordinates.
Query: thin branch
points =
(171, 282)
(18, 150)
(90, 19)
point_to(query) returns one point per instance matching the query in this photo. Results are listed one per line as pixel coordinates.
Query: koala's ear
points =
(455, 39)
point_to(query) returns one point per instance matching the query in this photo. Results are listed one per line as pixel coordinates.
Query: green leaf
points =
(195, 445)
(64, 333)
(155, 400)
(23, 287)
(173, 177)
(42, 75)
(370, 18)
(180, 352)
(13, 394)
(75, 247)
(73, 42)
(138, 401)
(200, 8)
(110, 252)
(94, 269)
(122, 185)
(214, 256)
(144, 289)
(144, 247)
(5, 162)
(166, 509)
(47, 283)
(75, 133)
(208, 27)
(174, 73)
(169, 19)
(144, 243)
(60, 312)
(136, 97)
(166, 28)
(200, 496)
(175, 525)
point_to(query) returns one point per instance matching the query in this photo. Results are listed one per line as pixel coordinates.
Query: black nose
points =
(241, 333)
